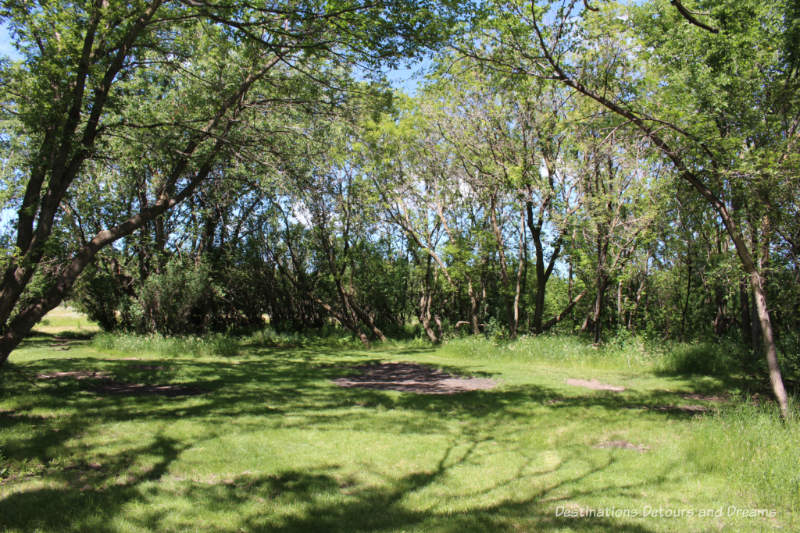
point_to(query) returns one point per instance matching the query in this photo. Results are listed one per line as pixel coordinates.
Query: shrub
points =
(182, 298)
(703, 358)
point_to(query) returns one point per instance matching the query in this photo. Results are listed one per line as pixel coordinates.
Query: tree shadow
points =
(84, 496)
(287, 388)
(274, 384)
(317, 499)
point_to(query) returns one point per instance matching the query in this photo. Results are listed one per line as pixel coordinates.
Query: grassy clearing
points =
(63, 320)
(274, 445)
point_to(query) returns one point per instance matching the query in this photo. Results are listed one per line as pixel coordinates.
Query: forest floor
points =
(287, 438)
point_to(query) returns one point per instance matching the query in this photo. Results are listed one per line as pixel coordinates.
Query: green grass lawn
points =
(64, 319)
(272, 444)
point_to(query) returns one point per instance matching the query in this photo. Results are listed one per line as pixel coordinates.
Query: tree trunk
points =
(597, 310)
(425, 320)
(747, 325)
(686, 300)
(639, 291)
(473, 309)
(565, 312)
(569, 282)
(425, 306)
(721, 317)
(22, 324)
(538, 302)
(504, 277)
(636, 301)
(370, 321)
(542, 272)
(520, 277)
(770, 349)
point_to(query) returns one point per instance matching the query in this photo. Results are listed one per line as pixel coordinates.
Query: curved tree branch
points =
(688, 15)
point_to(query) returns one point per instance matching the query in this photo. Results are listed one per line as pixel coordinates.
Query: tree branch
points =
(688, 15)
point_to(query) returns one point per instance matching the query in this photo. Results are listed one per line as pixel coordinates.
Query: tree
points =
(178, 81)
(619, 204)
(720, 105)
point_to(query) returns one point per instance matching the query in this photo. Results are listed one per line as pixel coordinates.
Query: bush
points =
(176, 300)
(183, 298)
(100, 294)
(703, 358)
(495, 331)
(326, 335)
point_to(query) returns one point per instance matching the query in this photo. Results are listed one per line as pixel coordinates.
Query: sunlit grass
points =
(65, 319)
(274, 445)
(160, 345)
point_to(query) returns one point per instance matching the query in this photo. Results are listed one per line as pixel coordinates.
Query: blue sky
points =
(6, 49)
(408, 78)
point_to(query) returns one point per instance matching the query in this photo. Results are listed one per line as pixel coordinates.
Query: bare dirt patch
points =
(74, 374)
(140, 389)
(412, 377)
(706, 397)
(594, 385)
(623, 444)
(680, 408)
(104, 384)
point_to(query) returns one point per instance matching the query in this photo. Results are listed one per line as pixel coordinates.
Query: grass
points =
(160, 345)
(752, 450)
(64, 319)
(274, 445)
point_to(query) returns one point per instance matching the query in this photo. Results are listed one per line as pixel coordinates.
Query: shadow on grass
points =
(278, 389)
(37, 336)
(383, 508)
(316, 499)
(273, 383)
(733, 369)
(85, 496)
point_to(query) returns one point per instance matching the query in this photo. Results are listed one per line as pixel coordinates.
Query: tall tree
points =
(717, 99)
(174, 79)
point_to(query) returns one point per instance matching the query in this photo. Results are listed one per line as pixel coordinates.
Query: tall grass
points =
(327, 336)
(623, 351)
(227, 345)
(749, 445)
(567, 349)
(703, 358)
(216, 344)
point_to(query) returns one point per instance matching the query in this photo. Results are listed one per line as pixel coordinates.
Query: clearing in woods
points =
(318, 437)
